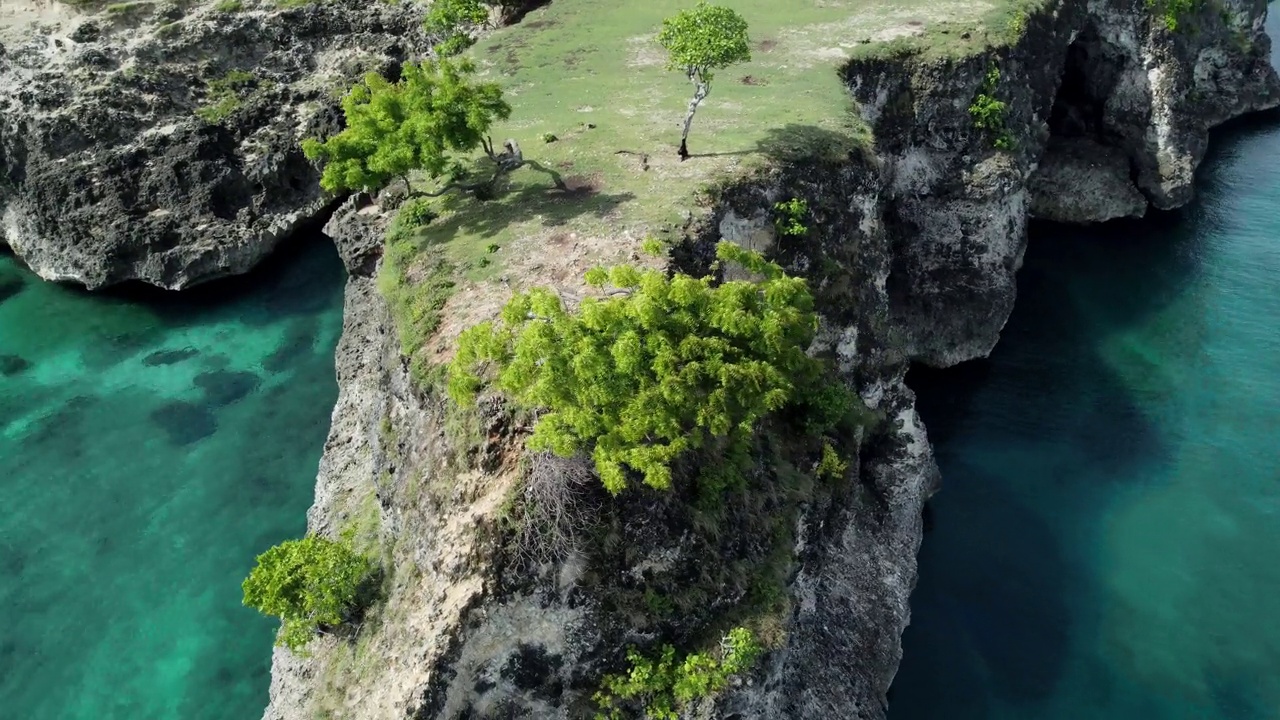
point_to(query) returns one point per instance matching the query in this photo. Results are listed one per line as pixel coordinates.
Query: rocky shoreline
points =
(161, 144)
(929, 233)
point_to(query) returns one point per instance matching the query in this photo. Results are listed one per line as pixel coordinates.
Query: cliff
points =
(912, 254)
(118, 168)
(159, 141)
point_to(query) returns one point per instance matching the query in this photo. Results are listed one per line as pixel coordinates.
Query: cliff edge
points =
(918, 217)
(159, 141)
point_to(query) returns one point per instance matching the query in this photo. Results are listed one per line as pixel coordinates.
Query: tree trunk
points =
(700, 92)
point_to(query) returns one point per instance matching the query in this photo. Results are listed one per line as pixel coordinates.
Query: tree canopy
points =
(703, 39)
(447, 23)
(698, 42)
(306, 583)
(420, 123)
(659, 366)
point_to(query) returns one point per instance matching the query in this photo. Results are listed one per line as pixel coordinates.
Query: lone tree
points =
(307, 583)
(699, 42)
(434, 114)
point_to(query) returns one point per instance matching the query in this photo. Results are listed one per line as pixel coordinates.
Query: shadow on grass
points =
(795, 143)
(552, 206)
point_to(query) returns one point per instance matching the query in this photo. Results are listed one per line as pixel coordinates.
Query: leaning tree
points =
(425, 122)
(698, 42)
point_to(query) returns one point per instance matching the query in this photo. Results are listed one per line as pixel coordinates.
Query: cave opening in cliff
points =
(1088, 172)
(1090, 73)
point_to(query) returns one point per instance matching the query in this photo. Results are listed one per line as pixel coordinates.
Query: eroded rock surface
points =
(1082, 181)
(912, 258)
(161, 143)
(1107, 72)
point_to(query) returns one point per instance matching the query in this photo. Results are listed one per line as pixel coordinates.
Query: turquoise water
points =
(1107, 542)
(150, 445)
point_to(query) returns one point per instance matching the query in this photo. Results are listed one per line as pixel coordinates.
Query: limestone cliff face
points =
(109, 173)
(1108, 111)
(912, 258)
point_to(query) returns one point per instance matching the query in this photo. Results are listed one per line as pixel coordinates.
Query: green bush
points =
(307, 583)
(988, 111)
(831, 466)
(448, 22)
(661, 686)
(420, 123)
(789, 217)
(416, 212)
(1171, 12)
(658, 367)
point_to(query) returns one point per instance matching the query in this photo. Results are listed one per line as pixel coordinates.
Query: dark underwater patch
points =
(223, 387)
(169, 357)
(185, 422)
(10, 285)
(11, 365)
(299, 339)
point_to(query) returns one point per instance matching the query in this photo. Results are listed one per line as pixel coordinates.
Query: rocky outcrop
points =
(912, 257)
(1080, 180)
(1107, 75)
(160, 142)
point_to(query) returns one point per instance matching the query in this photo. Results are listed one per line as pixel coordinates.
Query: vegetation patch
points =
(657, 368)
(660, 686)
(988, 112)
(789, 217)
(1173, 13)
(225, 95)
(311, 584)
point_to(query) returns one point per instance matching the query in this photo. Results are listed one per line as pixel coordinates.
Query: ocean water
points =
(1107, 542)
(151, 444)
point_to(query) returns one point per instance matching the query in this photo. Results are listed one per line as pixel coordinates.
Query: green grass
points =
(590, 73)
(228, 6)
(227, 93)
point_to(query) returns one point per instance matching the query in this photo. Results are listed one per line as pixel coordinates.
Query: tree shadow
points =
(794, 143)
(578, 196)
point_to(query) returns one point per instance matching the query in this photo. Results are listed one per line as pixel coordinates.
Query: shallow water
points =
(151, 444)
(1106, 543)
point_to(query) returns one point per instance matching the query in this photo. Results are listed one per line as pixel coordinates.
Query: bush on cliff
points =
(309, 584)
(659, 687)
(658, 367)
(449, 22)
(424, 122)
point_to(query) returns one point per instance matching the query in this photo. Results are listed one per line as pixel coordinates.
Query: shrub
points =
(416, 212)
(307, 583)
(658, 367)
(988, 112)
(1171, 12)
(789, 217)
(422, 122)
(448, 23)
(831, 466)
(661, 686)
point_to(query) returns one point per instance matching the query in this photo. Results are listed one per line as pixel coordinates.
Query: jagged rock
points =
(912, 258)
(1082, 181)
(357, 228)
(109, 173)
(1107, 71)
